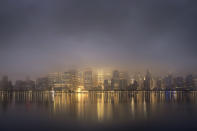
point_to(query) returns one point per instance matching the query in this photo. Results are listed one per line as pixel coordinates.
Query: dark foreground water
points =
(119, 111)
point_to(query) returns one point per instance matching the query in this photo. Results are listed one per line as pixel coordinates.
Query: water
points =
(98, 111)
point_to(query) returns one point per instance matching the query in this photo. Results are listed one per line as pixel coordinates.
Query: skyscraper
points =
(179, 83)
(115, 82)
(107, 85)
(55, 80)
(139, 78)
(100, 79)
(74, 78)
(66, 78)
(147, 81)
(5, 84)
(88, 80)
(189, 82)
(158, 85)
(168, 82)
(123, 84)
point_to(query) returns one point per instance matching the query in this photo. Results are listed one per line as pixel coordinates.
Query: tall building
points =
(139, 78)
(115, 82)
(158, 85)
(124, 80)
(133, 86)
(179, 83)
(169, 83)
(74, 79)
(147, 81)
(80, 79)
(5, 84)
(67, 79)
(195, 83)
(189, 82)
(107, 85)
(55, 81)
(123, 84)
(100, 79)
(88, 79)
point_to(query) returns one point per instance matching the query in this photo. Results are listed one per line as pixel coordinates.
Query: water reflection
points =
(101, 106)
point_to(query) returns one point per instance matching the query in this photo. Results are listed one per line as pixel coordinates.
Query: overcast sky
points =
(40, 36)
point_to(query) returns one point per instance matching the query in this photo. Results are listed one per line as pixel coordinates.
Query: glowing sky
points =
(39, 36)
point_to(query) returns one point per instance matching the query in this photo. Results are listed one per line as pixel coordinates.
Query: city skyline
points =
(97, 69)
(159, 73)
(110, 65)
(88, 79)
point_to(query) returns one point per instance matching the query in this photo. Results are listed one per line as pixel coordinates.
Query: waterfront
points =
(98, 110)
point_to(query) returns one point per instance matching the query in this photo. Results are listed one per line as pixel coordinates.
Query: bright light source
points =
(78, 89)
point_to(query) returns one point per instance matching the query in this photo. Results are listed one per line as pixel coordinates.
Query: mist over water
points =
(98, 65)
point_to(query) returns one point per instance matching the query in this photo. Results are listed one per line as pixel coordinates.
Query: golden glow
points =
(133, 108)
(99, 106)
(78, 89)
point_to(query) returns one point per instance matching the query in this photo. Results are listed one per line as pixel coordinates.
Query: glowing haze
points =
(41, 36)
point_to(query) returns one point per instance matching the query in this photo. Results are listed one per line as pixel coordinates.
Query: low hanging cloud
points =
(39, 36)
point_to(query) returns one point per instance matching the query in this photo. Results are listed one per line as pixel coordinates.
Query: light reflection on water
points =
(93, 110)
(98, 106)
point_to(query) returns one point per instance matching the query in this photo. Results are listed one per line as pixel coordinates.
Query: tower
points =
(147, 81)
(115, 82)
(88, 81)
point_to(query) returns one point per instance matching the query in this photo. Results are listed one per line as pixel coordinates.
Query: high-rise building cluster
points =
(100, 80)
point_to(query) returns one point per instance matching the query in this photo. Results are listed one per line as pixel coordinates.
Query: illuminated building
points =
(124, 78)
(88, 80)
(139, 78)
(179, 83)
(115, 80)
(189, 82)
(70, 79)
(153, 83)
(80, 78)
(195, 83)
(107, 85)
(168, 82)
(158, 85)
(123, 84)
(124, 75)
(55, 81)
(100, 79)
(147, 81)
(74, 79)
(54, 78)
(66, 78)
